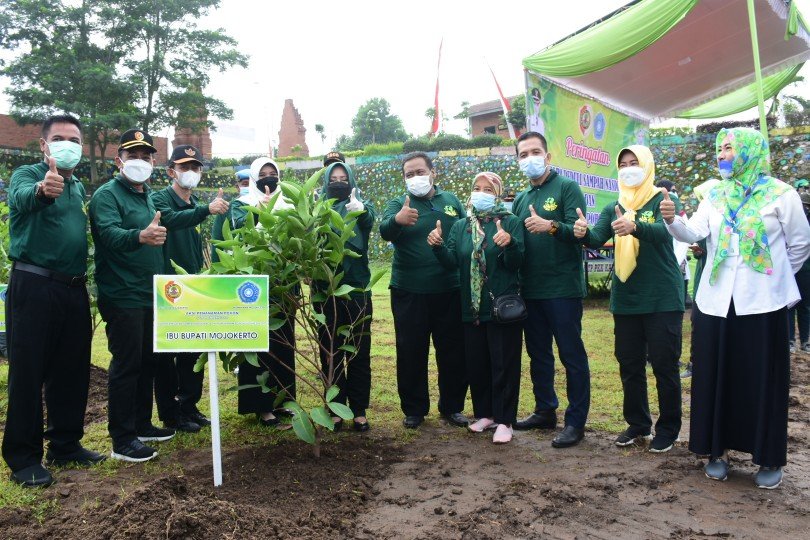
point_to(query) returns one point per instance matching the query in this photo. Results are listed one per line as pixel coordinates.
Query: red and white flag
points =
(437, 117)
(507, 108)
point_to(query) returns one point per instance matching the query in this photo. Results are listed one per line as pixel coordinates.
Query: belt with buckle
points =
(67, 279)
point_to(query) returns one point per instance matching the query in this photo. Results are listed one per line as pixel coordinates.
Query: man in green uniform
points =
(178, 388)
(425, 297)
(128, 239)
(553, 284)
(48, 323)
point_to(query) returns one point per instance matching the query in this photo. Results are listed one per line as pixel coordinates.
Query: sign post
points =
(207, 314)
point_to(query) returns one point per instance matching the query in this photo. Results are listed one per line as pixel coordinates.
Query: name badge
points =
(734, 245)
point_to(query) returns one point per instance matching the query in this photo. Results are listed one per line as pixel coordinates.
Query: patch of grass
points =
(384, 413)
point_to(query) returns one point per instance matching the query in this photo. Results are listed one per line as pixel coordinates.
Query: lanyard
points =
(732, 222)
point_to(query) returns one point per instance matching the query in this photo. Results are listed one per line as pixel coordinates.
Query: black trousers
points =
(351, 372)
(740, 386)
(178, 388)
(657, 337)
(132, 370)
(49, 331)
(281, 367)
(417, 317)
(493, 369)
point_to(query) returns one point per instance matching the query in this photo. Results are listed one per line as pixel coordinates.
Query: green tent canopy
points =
(658, 59)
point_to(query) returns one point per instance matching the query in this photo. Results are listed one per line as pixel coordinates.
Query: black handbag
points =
(508, 308)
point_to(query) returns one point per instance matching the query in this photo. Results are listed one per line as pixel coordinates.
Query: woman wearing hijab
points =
(646, 299)
(486, 249)
(757, 238)
(352, 371)
(280, 359)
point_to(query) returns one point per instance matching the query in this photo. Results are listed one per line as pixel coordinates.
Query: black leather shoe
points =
(182, 423)
(569, 436)
(413, 422)
(538, 420)
(457, 419)
(33, 476)
(361, 426)
(199, 418)
(270, 422)
(81, 457)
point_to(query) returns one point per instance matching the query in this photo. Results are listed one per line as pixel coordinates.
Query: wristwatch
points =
(554, 226)
(38, 193)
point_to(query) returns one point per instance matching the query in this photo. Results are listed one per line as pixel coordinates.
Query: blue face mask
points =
(481, 201)
(533, 166)
(725, 167)
(244, 191)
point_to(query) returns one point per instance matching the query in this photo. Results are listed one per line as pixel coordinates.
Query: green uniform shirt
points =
(656, 284)
(552, 265)
(503, 264)
(124, 266)
(700, 263)
(181, 219)
(219, 222)
(415, 269)
(50, 233)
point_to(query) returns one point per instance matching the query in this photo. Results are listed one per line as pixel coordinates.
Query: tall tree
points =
(321, 131)
(172, 58)
(374, 123)
(64, 65)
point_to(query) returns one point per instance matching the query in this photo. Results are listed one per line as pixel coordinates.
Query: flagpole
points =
(752, 22)
(437, 117)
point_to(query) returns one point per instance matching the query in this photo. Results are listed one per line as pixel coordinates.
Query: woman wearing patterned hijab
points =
(486, 250)
(757, 238)
(646, 299)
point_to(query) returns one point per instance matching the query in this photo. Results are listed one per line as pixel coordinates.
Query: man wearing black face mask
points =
(352, 371)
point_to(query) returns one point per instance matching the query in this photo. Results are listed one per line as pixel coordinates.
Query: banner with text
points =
(584, 138)
(211, 313)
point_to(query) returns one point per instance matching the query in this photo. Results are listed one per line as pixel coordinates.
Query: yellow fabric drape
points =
(632, 199)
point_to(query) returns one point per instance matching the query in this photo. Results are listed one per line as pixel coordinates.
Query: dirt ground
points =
(446, 484)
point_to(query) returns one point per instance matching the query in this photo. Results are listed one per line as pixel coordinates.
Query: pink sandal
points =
(503, 434)
(481, 425)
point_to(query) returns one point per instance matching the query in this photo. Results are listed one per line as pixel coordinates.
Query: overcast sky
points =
(330, 57)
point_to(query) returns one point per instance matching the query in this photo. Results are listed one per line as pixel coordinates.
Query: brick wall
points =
(292, 132)
(479, 122)
(13, 135)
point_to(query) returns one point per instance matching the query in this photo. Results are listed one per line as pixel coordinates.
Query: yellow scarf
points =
(632, 199)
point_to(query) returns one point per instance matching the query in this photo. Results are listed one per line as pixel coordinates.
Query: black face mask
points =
(338, 190)
(268, 181)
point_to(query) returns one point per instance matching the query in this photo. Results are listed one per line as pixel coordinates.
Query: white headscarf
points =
(255, 195)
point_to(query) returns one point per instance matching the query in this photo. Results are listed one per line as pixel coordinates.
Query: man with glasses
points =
(425, 298)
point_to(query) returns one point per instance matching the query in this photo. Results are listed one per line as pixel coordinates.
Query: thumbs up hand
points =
(667, 208)
(501, 237)
(53, 184)
(435, 237)
(218, 205)
(355, 204)
(580, 225)
(535, 224)
(622, 226)
(407, 216)
(154, 234)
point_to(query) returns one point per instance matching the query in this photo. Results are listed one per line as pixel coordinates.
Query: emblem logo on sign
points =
(599, 125)
(248, 292)
(450, 211)
(585, 119)
(3, 295)
(172, 290)
(550, 205)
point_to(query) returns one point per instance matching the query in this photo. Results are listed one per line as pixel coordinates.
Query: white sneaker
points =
(481, 425)
(503, 434)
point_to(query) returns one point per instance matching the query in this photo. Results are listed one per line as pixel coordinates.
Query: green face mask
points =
(66, 153)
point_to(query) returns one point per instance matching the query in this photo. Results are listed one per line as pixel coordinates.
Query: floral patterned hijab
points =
(740, 199)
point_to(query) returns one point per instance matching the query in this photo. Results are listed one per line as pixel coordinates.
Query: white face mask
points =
(137, 170)
(188, 179)
(419, 186)
(631, 176)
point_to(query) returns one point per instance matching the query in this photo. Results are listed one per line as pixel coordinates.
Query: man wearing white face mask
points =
(553, 284)
(128, 240)
(178, 388)
(47, 309)
(425, 298)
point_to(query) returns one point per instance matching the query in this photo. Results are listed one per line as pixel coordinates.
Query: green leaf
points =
(332, 392)
(247, 386)
(291, 190)
(293, 406)
(177, 268)
(275, 324)
(280, 397)
(321, 417)
(320, 317)
(375, 277)
(225, 259)
(252, 359)
(343, 290)
(226, 230)
(341, 410)
(199, 365)
(303, 427)
(348, 348)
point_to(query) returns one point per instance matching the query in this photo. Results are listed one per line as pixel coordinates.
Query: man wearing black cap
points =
(333, 157)
(178, 388)
(128, 239)
(47, 309)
